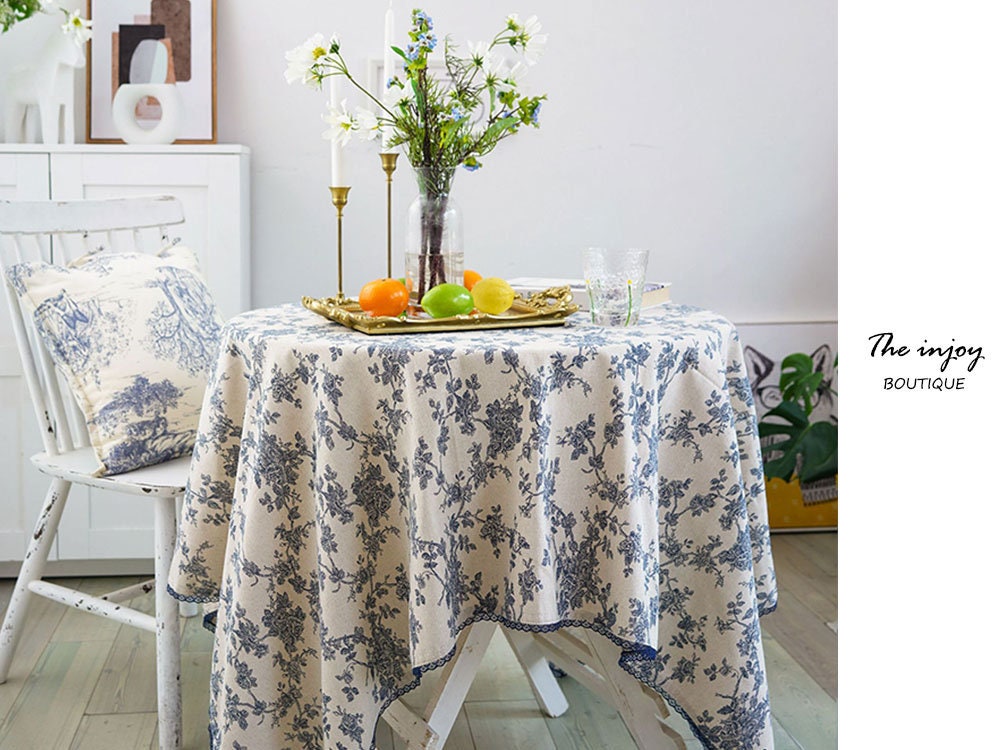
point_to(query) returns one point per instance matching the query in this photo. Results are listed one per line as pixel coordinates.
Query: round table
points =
(356, 501)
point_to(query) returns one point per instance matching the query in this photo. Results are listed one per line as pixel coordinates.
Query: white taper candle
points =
(388, 66)
(336, 148)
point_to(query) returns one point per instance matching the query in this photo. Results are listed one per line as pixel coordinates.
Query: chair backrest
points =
(59, 232)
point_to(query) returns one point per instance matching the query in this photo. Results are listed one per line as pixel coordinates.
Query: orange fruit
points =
(384, 297)
(471, 278)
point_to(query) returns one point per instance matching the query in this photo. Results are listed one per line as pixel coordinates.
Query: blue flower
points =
(472, 163)
(412, 52)
(534, 113)
(457, 114)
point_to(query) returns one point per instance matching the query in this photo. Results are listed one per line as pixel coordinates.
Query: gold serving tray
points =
(546, 308)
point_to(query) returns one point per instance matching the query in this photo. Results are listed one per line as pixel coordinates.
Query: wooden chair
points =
(59, 232)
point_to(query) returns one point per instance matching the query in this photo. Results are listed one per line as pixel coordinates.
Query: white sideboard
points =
(213, 183)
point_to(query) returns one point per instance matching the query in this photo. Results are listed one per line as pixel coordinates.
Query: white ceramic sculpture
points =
(41, 91)
(128, 97)
(147, 77)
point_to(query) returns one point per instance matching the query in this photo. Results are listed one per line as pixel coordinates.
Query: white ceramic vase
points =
(123, 113)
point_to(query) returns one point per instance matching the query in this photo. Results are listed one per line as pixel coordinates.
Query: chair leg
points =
(168, 641)
(187, 609)
(31, 570)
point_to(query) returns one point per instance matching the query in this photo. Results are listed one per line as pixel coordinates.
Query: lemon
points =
(492, 295)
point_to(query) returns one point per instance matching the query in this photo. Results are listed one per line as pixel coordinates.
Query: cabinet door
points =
(212, 188)
(108, 525)
(22, 177)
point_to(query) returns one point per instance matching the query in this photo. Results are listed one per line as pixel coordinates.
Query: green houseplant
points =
(796, 443)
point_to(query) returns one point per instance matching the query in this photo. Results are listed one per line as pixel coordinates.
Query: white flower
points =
(78, 27)
(479, 53)
(532, 41)
(302, 59)
(531, 27)
(392, 96)
(533, 48)
(513, 23)
(502, 78)
(341, 122)
(516, 74)
(366, 123)
(496, 71)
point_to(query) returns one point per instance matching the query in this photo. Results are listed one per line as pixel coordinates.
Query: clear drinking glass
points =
(615, 280)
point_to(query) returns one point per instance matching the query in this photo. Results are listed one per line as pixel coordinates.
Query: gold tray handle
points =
(558, 296)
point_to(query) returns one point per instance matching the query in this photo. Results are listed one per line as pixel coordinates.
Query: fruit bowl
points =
(550, 307)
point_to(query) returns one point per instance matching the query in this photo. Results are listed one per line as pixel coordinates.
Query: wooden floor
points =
(83, 683)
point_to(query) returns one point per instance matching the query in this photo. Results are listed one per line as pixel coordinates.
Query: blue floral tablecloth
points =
(355, 501)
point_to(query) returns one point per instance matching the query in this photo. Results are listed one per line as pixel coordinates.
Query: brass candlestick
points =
(339, 196)
(388, 166)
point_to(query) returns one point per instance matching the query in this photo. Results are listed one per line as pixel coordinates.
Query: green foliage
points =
(447, 124)
(445, 121)
(12, 11)
(797, 435)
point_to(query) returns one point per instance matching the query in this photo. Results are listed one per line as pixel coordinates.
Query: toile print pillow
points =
(135, 336)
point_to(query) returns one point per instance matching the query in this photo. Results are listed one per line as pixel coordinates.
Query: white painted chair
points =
(59, 232)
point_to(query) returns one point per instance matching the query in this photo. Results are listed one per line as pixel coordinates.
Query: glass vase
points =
(434, 243)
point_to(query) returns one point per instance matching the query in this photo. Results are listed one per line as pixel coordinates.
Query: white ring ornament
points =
(123, 113)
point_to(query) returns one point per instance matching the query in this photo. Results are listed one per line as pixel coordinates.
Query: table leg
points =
(456, 679)
(592, 660)
(430, 730)
(643, 711)
(547, 692)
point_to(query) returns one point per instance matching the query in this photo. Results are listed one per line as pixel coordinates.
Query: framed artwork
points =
(152, 41)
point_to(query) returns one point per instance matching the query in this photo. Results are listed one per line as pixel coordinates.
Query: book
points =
(654, 292)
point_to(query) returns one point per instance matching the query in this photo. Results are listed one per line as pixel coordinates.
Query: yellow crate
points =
(786, 509)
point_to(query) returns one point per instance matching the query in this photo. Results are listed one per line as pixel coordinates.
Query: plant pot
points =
(788, 510)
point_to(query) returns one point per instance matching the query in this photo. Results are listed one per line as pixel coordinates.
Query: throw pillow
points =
(135, 336)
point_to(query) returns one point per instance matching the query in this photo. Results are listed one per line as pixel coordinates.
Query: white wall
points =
(703, 129)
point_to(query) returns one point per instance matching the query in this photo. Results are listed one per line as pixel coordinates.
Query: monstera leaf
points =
(796, 435)
(799, 381)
